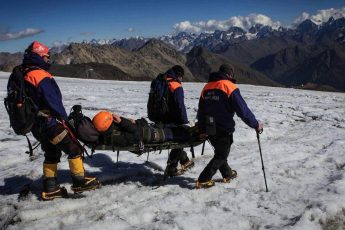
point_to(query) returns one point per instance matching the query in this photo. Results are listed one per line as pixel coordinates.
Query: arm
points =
(242, 110)
(53, 98)
(127, 125)
(178, 97)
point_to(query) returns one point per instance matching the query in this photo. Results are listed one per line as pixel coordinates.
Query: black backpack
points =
(21, 109)
(83, 127)
(158, 103)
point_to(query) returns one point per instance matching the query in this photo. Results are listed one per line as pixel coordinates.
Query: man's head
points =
(227, 70)
(39, 49)
(179, 71)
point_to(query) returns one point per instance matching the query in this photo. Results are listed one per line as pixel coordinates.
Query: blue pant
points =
(221, 142)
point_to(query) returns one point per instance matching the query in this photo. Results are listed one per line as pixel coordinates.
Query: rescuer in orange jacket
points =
(219, 101)
(177, 116)
(50, 127)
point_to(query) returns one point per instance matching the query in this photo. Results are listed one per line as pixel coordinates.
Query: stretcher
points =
(141, 148)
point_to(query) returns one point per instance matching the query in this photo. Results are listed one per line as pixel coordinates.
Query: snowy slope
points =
(303, 149)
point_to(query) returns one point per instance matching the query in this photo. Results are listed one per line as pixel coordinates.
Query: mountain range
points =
(309, 54)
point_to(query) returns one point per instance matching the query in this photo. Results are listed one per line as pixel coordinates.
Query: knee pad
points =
(59, 137)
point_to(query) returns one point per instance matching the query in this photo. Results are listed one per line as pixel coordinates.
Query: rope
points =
(75, 139)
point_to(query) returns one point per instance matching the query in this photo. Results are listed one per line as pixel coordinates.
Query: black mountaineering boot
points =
(207, 184)
(188, 165)
(172, 171)
(81, 184)
(233, 175)
(185, 162)
(52, 190)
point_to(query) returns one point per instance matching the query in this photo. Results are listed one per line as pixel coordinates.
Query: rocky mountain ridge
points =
(147, 62)
(310, 53)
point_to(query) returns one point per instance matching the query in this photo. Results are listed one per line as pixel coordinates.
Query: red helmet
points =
(102, 120)
(39, 49)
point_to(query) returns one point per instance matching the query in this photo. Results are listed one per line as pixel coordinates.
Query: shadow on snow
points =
(147, 174)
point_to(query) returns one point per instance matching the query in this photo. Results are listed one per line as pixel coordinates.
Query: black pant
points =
(175, 156)
(221, 142)
(52, 153)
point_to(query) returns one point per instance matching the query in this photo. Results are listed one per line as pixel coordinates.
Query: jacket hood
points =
(170, 73)
(216, 76)
(33, 59)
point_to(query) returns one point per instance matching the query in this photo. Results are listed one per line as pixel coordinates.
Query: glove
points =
(186, 126)
(260, 127)
(76, 113)
(203, 136)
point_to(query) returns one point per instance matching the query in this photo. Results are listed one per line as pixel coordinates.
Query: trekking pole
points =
(262, 162)
(148, 154)
(203, 148)
(192, 151)
(117, 158)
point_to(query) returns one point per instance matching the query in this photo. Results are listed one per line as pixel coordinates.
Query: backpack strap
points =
(31, 149)
(26, 70)
(24, 73)
(173, 84)
(76, 140)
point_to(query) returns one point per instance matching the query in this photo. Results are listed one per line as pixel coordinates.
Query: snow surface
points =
(303, 150)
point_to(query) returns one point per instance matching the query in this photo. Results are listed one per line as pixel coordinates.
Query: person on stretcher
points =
(120, 131)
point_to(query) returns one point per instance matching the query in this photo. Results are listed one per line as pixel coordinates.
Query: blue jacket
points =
(178, 113)
(42, 88)
(221, 99)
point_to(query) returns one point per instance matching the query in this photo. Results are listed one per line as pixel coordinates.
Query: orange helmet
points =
(102, 120)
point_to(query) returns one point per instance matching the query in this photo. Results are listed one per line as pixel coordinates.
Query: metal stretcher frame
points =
(153, 147)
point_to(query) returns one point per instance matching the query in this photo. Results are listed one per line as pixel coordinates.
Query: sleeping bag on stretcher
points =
(127, 132)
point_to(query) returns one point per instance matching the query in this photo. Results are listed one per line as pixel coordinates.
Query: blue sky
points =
(51, 21)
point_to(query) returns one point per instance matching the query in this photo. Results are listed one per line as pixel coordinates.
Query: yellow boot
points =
(81, 182)
(51, 189)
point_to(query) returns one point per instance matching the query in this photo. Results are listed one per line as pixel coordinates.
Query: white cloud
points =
(4, 36)
(59, 43)
(301, 18)
(186, 26)
(244, 22)
(131, 29)
(321, 16)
